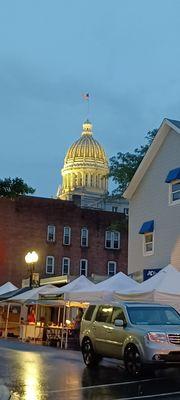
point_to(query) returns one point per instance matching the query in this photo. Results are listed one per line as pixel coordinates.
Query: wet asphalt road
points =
(33, 372)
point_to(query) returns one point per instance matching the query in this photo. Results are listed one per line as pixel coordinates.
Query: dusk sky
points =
(125, 53)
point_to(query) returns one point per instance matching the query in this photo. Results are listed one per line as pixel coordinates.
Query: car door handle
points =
(109, 331)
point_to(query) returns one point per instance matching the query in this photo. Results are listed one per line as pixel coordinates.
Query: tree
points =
(124, 165)
(13, 187)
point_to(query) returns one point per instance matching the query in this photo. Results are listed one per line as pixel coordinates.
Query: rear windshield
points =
(153, 315)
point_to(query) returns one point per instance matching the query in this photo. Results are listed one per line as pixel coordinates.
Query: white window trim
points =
(47, 272)
(66, 244)
(54, 233)
(171, 202)
(148, 253)
(112, 240)
(115, 265)
(86, 261)
(66, 258)
(87, 237)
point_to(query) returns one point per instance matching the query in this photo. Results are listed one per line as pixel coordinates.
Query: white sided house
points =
(154, 209)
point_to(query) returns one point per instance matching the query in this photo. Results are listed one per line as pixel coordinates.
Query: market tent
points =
(7, 287)
(117, 282)
(80, 283)
(32, 294)
(158, 281)
(104, 290)
(164, 287)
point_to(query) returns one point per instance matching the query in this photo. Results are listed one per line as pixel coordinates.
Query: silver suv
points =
(140, 334)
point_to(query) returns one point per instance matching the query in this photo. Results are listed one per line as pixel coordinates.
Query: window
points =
(65, 266)
(89, 313)
(153, 315)
(84, 237)
(51, 231)
(49, 265)
(112, 240)
(104, 314)
(67, 235)
(111, 268)
(148, 244)
(83, 267)
(114, 209)
(174, 192)
(118, 313)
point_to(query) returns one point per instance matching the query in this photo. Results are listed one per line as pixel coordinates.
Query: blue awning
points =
(173, 175)
(147, 227)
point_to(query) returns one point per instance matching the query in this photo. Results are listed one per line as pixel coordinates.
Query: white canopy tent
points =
(80, 283)
(27, 297)
(164, 287)
(7, 287)
(103, 291)
(32, 294)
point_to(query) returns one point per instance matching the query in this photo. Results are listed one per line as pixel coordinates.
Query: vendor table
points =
(31, 331)
(59, 334)
(53, 334)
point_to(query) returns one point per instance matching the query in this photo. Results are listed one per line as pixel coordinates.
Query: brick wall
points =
(23, 228)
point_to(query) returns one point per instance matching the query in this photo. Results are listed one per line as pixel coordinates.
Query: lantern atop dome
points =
(87, 128)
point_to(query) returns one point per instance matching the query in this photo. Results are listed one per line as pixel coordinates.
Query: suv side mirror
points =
(119, 322)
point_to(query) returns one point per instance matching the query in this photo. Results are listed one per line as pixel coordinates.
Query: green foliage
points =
(124, 165)
(14, 187)
(119, 225)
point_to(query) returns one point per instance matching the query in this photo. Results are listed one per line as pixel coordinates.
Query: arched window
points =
(111, 268)
(83, 267)
(67, 235)
(65, 266)
(91, 180)
(84, 237)
(96, 181)
(50, 265)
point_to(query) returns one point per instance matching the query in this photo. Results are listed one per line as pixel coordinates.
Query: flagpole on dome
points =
(86, 98)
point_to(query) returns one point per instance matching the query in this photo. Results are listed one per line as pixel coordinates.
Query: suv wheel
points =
(89, 356)
(132, 361)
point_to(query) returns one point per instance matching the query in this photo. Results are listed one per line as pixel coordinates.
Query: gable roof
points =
(163, 131)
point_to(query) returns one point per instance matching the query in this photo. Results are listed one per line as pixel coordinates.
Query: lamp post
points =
(31, 258)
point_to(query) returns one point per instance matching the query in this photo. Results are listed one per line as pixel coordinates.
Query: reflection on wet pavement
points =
(32, 378)
(43, 373)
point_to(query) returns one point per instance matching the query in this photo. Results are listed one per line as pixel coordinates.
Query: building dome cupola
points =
(86, 169)
(87, 128)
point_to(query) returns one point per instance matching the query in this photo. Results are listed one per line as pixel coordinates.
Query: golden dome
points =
(85, 167)
(86, 149)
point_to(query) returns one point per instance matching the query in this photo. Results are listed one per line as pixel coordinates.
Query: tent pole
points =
(59, 309)
(62, 333)
(7, 318)
(66, 342)
(36, 310)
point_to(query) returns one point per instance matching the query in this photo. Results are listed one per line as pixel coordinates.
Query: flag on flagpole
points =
(86, 96)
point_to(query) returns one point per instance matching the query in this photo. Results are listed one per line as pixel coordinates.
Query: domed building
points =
(85, 171)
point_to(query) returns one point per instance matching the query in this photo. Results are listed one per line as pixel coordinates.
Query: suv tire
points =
(90, 357)
(132, 361)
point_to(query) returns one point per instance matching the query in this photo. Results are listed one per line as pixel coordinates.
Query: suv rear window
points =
(89, 313)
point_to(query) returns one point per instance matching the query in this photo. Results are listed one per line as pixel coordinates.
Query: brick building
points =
(68, 239)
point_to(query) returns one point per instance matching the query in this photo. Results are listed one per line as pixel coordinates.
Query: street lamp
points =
(31, 258)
